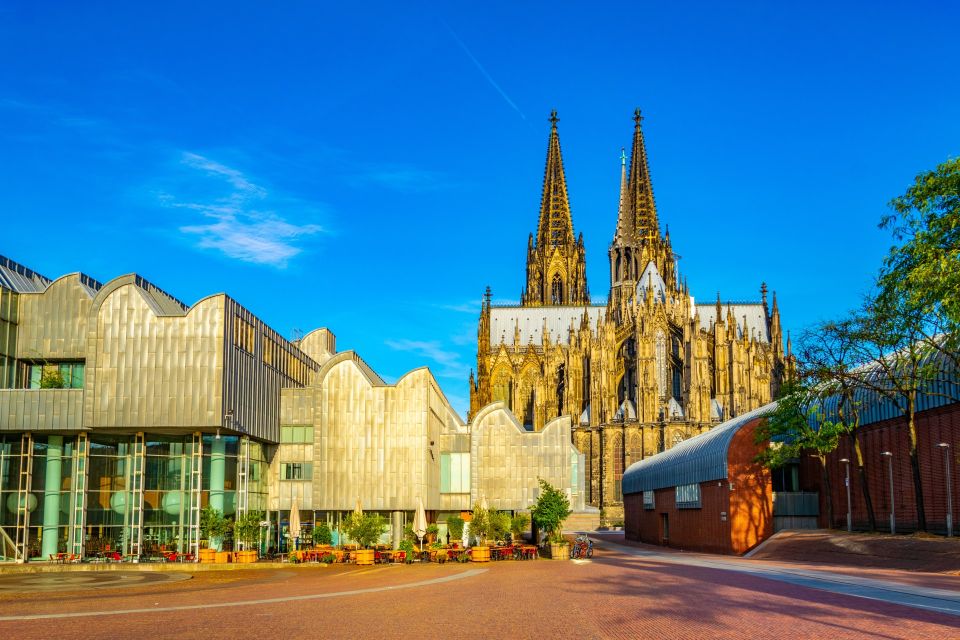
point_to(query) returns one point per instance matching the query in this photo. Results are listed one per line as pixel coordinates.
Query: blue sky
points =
(372, 170)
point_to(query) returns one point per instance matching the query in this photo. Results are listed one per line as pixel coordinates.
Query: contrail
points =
(486, 75)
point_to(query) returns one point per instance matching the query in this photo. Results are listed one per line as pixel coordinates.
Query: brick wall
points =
(933, 426)
(728, 520)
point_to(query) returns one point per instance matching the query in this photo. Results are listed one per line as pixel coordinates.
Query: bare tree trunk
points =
(864, 486)
(915, 461)
(828, 493)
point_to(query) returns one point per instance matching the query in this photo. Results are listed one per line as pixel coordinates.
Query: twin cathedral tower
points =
(647, 369)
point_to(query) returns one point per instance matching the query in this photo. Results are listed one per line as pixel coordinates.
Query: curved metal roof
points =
(699, 459)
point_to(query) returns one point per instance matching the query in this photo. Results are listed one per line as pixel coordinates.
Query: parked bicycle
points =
(582, 547)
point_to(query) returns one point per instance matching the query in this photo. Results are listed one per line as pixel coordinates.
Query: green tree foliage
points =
(51, 378)
(551, 510)
(923, 269)
(519, 525)
(499, 524)
(480, 524)
(455, 527)
(214, 526)
(797, 427)
(365, 528)
(246, 529)
(322, 534)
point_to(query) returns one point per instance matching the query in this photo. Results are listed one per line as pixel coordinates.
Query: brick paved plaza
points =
(620, 594)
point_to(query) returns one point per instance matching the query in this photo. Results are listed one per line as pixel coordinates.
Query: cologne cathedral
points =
(638, 374)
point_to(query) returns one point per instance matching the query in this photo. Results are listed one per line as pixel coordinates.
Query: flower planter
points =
(365, 556)
(245, 557)
(480, 554)
(222, 557)
(559, 551)
(208, 555)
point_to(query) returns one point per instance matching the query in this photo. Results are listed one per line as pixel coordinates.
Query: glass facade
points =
(8, 337)
(162, 505)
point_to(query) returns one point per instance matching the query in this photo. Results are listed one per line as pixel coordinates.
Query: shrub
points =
(480, 524)
(551, 510)
(455, 527)
(519, 524)
(247, 528)
(365, 529)
(214, 526)
(328, 558)
(322, 534)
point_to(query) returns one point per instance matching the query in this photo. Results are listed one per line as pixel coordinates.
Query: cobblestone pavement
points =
(617, 595)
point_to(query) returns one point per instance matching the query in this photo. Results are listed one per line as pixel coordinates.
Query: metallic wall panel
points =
(147, 371)
(41, 409)
(506, 460)
(53, 323)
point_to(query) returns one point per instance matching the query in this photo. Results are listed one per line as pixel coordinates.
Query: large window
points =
(296, 471)
(648, 501)
(454, 473)
(688, 496)
(296, 435)
(55, 375)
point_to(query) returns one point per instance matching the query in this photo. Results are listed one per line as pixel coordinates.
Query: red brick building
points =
(704, 494)
(940, 424)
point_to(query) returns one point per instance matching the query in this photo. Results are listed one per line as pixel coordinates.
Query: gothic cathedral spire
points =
(556, 262)
(641, 188)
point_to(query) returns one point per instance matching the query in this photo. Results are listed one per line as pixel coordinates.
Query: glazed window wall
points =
(108, 500)
(71, 374)
(8, 338)
(166, 494)
(49, 500)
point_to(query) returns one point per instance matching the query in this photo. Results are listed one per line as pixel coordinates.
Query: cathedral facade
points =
(639, 373)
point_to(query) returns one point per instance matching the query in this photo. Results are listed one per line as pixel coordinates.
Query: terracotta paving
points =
(615, 596)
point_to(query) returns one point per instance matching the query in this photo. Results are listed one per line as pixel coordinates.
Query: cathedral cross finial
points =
(637, 117)
(623, 157)
(554, 119)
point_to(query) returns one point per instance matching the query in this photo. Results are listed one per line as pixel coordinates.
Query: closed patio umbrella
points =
(295, 520)
(420, 522)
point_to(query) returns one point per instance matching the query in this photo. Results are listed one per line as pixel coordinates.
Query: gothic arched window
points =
(556, 290)
(635, 452)
(661, 364)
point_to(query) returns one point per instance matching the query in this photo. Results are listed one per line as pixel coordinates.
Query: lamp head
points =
(844, 460)
(944, 445)
(886, 453)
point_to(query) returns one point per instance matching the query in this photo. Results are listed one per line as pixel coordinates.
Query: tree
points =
(798, 426)
(551, 510)
(828, 354)
(322, 534)
(214, 526)
(365, 528)
(455, 527)
(246, 529)
(480, 524)
(519, 524)
(926, 220)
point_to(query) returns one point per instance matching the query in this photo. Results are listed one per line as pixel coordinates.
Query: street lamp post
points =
(846, 461)
(946, 463)
(893, 518)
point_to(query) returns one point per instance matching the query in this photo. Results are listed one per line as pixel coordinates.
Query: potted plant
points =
(551, 510)
(480, 529)
(519, 524)
(432, 531)
(365, 529)
(214, 526)
(455, 528)
(322, 535)
(406, 545)
(246, 531)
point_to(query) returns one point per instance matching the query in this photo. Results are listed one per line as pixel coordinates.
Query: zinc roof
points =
(699, 459)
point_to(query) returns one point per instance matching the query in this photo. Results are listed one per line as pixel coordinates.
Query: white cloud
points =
(448, 362)
(239, 218)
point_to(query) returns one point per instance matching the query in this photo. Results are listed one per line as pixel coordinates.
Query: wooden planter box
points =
(365, 556)
(222, 557)
(208, 555)
(559, 551)
(245, 557)
(480, 554)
